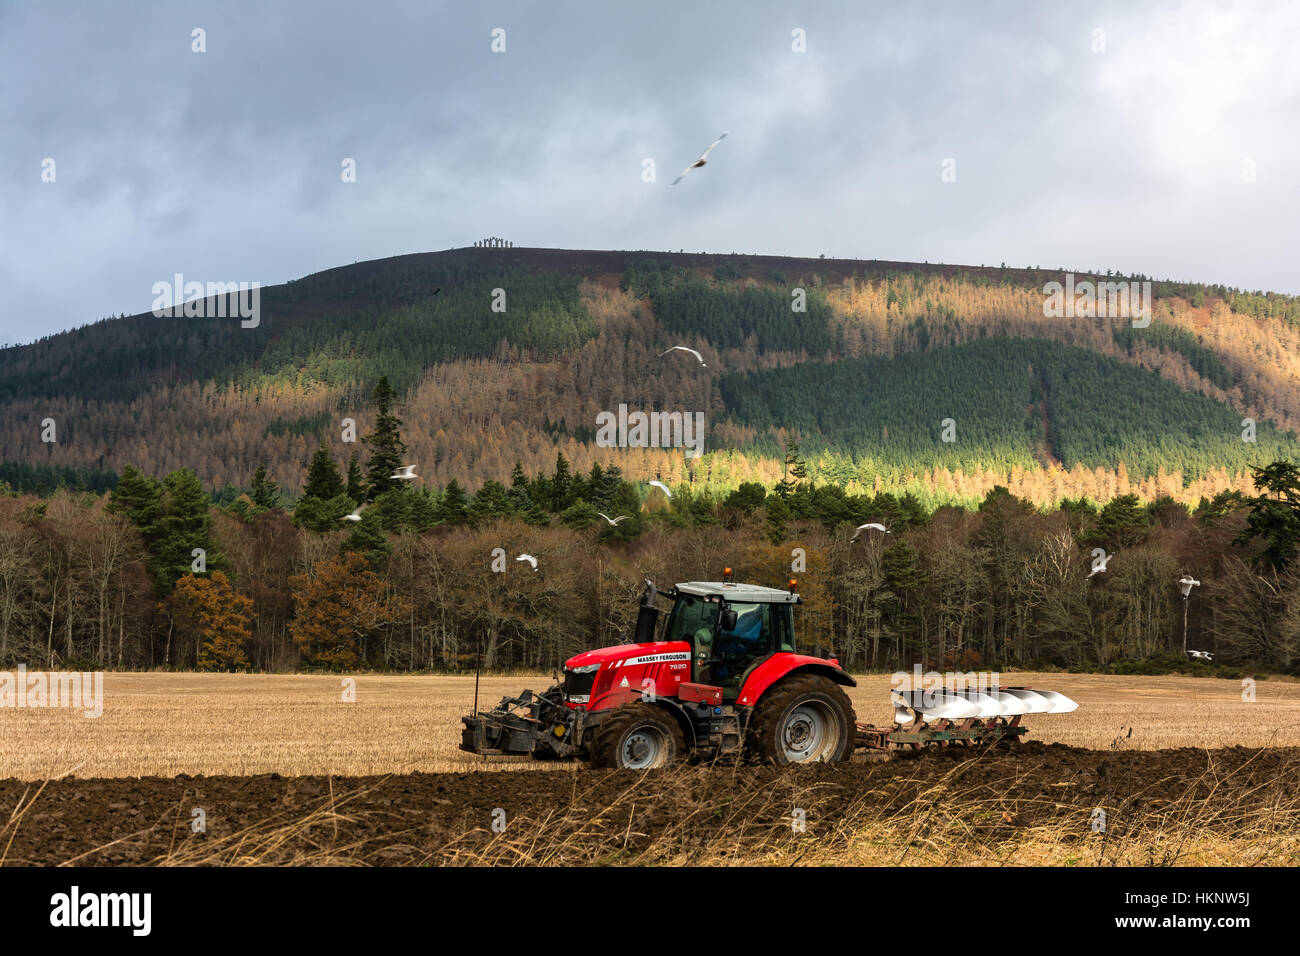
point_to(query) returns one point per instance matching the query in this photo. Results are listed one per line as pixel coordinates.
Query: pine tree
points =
(385, 442)
(453, 507)
(356, 489)
(184, 525)
(323, 480)
(561, 484)
(368, 539)
(778, 516)
(139, 498)
(264, 492)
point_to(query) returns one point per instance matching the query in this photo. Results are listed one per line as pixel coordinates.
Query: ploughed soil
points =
(592, 816)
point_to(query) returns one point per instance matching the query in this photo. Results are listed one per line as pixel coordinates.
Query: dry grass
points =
(948, 822)
(168, 724)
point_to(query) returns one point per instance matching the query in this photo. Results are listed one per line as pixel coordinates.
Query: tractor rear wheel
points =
(637, 736)
(804, 719)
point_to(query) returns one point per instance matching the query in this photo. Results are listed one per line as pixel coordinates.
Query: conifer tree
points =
(356, 489)
(323, 480)
(264, 492)
(385, 442)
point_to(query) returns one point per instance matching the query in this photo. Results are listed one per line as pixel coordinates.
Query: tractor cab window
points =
(752, 641)
(693, 620)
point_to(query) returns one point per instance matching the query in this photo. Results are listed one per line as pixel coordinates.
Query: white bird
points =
(1201, 655)
(609, 519)
(662, 487)
(529, 558)
(356, 515)
(698, 357)
(1186, 583)
(404, 473)
(874, 525)
(704, 158)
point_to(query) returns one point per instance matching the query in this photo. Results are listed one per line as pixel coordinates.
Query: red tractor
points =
(725, 677)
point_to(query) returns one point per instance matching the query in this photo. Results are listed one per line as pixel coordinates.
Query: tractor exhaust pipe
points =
(647, 616)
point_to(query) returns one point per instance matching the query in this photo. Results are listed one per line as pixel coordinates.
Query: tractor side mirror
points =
(728, 619)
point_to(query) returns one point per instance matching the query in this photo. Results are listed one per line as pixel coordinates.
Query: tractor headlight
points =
(589, 669)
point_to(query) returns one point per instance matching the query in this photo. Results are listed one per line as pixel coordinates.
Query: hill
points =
(510, 354)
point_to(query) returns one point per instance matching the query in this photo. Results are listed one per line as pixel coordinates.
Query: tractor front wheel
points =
(637, 736)
(804, 719)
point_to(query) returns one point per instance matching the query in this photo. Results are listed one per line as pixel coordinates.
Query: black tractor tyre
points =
(804, 718)
(638, 736)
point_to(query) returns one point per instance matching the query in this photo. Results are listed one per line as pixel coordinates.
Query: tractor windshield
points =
(690, 615)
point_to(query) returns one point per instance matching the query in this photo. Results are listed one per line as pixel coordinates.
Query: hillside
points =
(863, 377)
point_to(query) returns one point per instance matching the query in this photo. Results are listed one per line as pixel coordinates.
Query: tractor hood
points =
(629, 653)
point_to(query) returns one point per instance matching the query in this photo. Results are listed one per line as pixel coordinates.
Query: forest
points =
(487, 380)
(156, 574)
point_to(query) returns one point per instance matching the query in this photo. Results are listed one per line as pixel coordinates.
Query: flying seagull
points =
(1186, 583)
(1201, 655)
(405, 473)
(682, 348)
(529, 558)
(356, 515)
(873, 525)
(704, 158)
(609, 519)
(661, 486)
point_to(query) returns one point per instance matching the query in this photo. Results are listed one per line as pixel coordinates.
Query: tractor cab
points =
(732, 629)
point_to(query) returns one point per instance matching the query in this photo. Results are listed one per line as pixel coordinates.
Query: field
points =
(284, 770)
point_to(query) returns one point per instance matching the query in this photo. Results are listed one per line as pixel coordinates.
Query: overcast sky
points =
(225, 165)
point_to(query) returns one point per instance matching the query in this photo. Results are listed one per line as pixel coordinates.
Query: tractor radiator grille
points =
(578, 685)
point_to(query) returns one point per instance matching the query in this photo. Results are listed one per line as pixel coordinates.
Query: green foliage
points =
(47, 479)
(889, 413)
(1274, 516)
(748, 497)
(1171, 338)
(727, 315)
(368, 538)
(454, 507)
(346, 326)
(264, 492)
(385, 443)
(323, 480)
(315, 514)
(173, 519)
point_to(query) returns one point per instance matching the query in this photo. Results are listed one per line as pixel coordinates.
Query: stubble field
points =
(285, 770)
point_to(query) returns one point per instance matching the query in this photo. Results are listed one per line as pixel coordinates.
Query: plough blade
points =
(1044, 701)
(1060, 703)
(932, 705)
(1012, 706)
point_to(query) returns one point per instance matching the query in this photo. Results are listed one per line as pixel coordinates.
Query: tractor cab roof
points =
(740, 593)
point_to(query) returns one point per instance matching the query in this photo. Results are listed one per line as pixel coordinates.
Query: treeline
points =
(153, 576)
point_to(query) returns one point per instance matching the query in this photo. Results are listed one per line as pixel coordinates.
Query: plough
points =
(940, 718)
